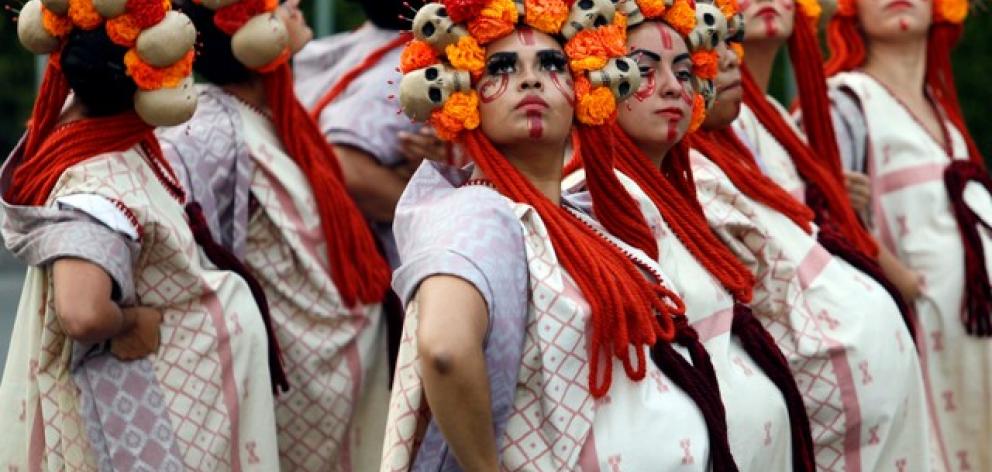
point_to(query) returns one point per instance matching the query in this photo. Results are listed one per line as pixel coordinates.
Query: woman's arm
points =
(905, 279)
(453, 324)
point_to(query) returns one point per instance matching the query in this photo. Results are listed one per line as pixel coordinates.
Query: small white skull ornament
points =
(433, 26)
(424, 90)
(588, 14)
(711, 27)
(706, 88)
(735, 28)
(621, 75)
(630, 9)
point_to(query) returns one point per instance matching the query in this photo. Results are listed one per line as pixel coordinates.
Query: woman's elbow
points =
(89, 323)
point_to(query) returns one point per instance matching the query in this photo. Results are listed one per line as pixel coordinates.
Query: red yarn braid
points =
(831, 204)
(726, 150)
(685, 219)
(372, 59)
(358, 269)
(626, 310)
(48, 106)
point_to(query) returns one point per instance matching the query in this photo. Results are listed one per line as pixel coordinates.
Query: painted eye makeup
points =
(646, 61)
(552, 61)
(682, 66)
(501, 63)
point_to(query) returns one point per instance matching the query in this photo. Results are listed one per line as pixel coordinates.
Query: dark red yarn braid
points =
(626, 310)
(372, 59)
(358, 269)
(819, 179)
(978, 293)
(726, 150)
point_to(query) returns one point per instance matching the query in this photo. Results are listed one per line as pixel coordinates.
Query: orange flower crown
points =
(160, 40)
(944, 11)
(259, 40)
(450, 39)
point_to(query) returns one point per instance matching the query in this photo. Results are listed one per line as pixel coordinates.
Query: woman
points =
(527, 325)
(767, 424)
(271, 188)
(899, 121)
(92, 206)
(807, 166)
(867, 405)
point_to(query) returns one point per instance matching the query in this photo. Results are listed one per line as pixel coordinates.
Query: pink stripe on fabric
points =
(717, 324)
(899, 179)
(588, 457)
(230, 388)
(36, 448)
(309, 237)
(921, 345)
(809, 269)
(353, 360)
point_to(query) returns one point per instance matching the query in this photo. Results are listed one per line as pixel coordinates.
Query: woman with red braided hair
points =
(899, 121)
(271, 188)
(867, 408)
(129, 351)
(528, 326)
(767, 420)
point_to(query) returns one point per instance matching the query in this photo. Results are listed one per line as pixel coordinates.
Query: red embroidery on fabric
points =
(938, 341)
(687, 453)
(873, 431)
(949, 401)
(615, 463)
(740, 363)
(866, 377)
(768, 433)
(826, 318)
(963, 457)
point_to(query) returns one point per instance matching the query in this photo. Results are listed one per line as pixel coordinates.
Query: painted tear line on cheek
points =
(486, 92)
(525, 36)
(647, 88)
(686, 96)
(534, 125)
(565, 88)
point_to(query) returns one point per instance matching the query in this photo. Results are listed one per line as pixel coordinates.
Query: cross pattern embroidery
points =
(963, 457)
(866, 377)
(659, 381)
(740, 363)
(768, 433)
(686, 451)
(826, 318)
(938, 341)
(901, 464)
(903, 226)
(949, 401)
(873, 432)
(615, 463)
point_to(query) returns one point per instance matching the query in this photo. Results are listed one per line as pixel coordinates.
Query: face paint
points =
(770, 29)
(565, 87)
(903, 24)
(535, 125)
(666, 36)
(525, 36)
(672, 130)
(647, 88)
(493, 88)
(686, 96)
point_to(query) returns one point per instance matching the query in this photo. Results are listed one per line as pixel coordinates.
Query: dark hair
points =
(215, 61)
(387, 13)
(94, 68)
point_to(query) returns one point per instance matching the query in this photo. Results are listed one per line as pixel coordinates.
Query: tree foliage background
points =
(972, 66)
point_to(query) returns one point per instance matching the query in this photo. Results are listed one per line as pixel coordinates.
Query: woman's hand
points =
(421, 145)
(858, 190)
(142, 338)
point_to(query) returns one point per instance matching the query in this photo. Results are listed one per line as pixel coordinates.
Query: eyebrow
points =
(649, 54)
(503, 56)
(682, 57)
(546, 54)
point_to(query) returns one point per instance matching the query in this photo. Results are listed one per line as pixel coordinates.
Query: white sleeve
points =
(101, 209)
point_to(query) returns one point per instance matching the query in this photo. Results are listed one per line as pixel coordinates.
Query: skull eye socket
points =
(434, 94)
(601, 21)
(585, 4)
(624, 88)
(431, 74)
(428, 29)
(442, 12)
(623, 66)
(714, 41)
(708, 19)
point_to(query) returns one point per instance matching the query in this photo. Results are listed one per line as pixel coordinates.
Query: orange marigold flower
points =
(728, 7)
(698, 113)
(950, 11)
(494, 21)
(56, 25)
(652, 9)
(682, 17)
(586, 51)
(461, 10)
(460, 112)
(148, 77)
(146, 13)
(466, 54)
(613, 38)
(546, 15)
(593, 105)
(84, 15)
(705, 64)
(417, 55)
(812, 10)
(123, 30)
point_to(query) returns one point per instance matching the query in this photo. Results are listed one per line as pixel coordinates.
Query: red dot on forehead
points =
(525, 36)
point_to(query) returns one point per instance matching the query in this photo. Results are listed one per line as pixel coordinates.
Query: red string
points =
(626, 310)
(358, 269)
(372, 59)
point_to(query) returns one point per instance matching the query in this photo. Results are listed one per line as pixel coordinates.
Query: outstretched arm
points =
(453, 324)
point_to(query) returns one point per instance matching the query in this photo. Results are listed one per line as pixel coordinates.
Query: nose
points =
(728, 58)
(530, 80)
(669, 85)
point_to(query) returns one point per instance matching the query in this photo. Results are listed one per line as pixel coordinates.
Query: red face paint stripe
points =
(525, 36)
(647, 88)
(565, 88)
(535, 125)
(666, 37)
(487, 94)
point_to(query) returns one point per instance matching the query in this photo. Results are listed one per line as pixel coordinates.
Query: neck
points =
(251, 92)
(541, 165)
(901, 65)
(656, 153)
(761, 59)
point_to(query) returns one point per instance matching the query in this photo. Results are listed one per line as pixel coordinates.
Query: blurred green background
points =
(972, 64)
